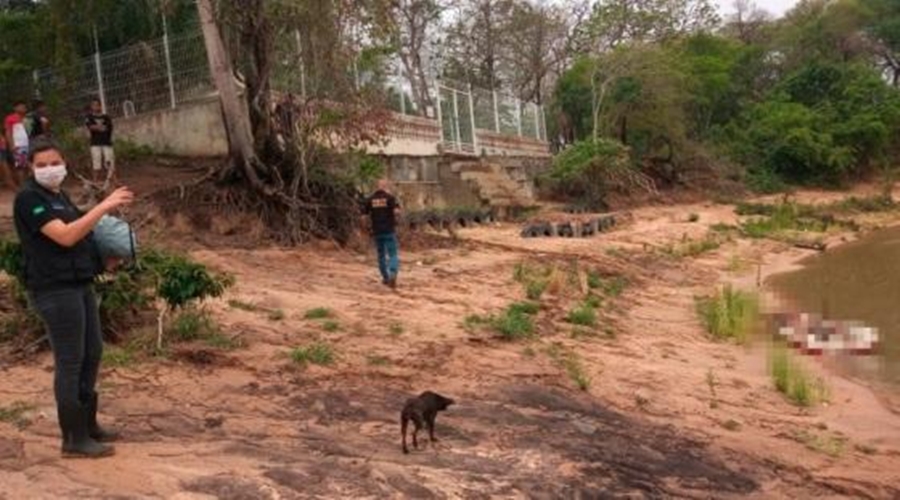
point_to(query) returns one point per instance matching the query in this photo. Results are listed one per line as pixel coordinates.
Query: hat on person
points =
(114, 238)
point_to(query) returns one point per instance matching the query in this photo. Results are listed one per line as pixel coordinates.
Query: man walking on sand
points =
(382, 208)
(102, 157)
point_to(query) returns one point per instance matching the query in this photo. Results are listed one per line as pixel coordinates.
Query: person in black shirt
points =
(61, 262)
(39, 122)
(382, 208)
(103, 157)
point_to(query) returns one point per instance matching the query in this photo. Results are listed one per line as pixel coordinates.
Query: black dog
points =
(422, 410)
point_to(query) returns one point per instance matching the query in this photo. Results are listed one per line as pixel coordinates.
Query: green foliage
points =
(173, 279)
(792, 380)
(317, 353)
(192, 325)
(528, 308)
(513, 324)
(331, 326)
(583, 315)
(181, 281)
(588, 170)
(779, 219)
(825, 123)
(729, 314)
(318, 313)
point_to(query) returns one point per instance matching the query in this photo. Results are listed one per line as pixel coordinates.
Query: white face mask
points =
(51, 176)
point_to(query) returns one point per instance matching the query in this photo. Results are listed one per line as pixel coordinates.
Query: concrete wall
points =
(194, 129)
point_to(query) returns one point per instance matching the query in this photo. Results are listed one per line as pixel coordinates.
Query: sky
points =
(775, 7)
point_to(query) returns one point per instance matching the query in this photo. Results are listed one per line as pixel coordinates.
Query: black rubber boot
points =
(94, 430)
(77, 443)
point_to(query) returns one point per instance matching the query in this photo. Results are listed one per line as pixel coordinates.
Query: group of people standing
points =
(23, 126)
(20, 128)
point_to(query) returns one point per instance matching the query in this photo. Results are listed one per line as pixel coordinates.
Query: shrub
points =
(587, 171)
(173, 281)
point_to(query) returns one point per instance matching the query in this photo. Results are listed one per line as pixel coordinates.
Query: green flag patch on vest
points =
(38, 210)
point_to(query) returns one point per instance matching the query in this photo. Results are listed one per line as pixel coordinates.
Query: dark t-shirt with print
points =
(48, 264)
(100, 137)
(380, 207)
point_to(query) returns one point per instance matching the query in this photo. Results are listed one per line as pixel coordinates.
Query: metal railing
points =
(174, 70)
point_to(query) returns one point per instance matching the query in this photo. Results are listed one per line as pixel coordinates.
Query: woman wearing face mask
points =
(61, 263)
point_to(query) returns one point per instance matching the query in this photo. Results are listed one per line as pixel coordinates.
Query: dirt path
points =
(248, 423)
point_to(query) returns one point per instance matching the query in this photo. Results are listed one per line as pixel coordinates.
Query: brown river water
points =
(859, 281)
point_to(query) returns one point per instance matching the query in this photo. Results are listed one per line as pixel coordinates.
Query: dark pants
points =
(73, 325)
(388, 261)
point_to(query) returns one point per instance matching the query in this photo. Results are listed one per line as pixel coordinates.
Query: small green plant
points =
(614, 287)
(15, 414)
(534, 289)
(792, 380)
(318, 313)
(723, 228)
(594, 280)
(593, 301)
(513, 324)
(276, 315)
(583, 315)
(569, 361)
(331, 326)
(395, 329)
(243, 306)
(118, 357)
(473, 321)
(193, 324)
(729, 314)
(317, 354)
(529, 308)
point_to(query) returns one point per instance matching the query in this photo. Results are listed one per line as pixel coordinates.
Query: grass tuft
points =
(729, 314)
(792, 380)
(318, 313)
(317, 354)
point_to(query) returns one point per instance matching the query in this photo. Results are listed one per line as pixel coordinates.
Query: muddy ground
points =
(248, 423)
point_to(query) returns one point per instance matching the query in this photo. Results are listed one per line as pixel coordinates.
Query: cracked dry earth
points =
(249, 424)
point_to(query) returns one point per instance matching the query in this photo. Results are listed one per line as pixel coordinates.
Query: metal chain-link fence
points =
(170, 71)
(140, 78)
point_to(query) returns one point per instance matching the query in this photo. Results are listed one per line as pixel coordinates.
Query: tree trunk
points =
(234, 112)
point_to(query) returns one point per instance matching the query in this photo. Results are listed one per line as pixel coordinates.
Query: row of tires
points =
(570, 229)
(448, 219)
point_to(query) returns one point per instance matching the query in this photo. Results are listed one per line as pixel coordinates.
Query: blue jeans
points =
(388, 261)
